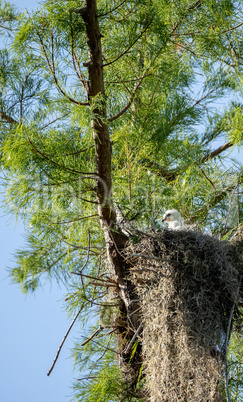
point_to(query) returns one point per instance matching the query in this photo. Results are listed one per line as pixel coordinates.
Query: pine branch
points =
(80, 151)
(112, 10)
(215, 199)
(218, 33)
(197, 4)
(217, 151)
(56, 163)
(75, 220)
(8, 118)
(76, 63)
(171, 175)
(102, 355)
(129, 47)
(128, 105)
(51, 66)
(53, 121)
(64, 339)
(184, 47)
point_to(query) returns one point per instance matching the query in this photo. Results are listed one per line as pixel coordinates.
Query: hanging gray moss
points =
(189, 287)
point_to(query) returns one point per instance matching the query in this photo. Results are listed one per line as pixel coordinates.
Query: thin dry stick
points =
(108, 280)
(64, 339)
(93, 335)
(128, 348)
(141, 270)
(147, 257)
(107, 348)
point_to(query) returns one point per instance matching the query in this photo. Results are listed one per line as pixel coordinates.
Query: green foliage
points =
(235, 367)
(236, 129)
(8, 17)
(104, 382)
(168, 68)
(104, 386)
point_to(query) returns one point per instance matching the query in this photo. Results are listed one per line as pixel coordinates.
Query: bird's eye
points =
(168, 214)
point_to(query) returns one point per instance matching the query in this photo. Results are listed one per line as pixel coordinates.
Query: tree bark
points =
(115, 239)
(96, 96)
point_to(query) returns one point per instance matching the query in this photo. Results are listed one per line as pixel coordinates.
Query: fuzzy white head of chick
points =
(174, 219)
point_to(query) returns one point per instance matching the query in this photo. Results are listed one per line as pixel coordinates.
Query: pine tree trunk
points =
(96, 94)
(115, 239)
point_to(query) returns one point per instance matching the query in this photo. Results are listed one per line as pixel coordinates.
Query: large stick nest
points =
(189, 286)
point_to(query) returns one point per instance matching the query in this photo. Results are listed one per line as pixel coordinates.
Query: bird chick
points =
(174, 219)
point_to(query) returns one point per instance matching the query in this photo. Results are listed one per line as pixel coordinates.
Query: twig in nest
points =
(141, 270)
(128, 348)
(147, 257)
(64, 339)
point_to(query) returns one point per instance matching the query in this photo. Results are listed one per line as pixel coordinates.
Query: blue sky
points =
(32, 326)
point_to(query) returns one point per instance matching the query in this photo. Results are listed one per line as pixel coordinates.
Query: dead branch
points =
(93, 335)
(64, 339)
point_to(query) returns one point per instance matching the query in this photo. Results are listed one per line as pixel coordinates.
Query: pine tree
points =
(111, 113)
